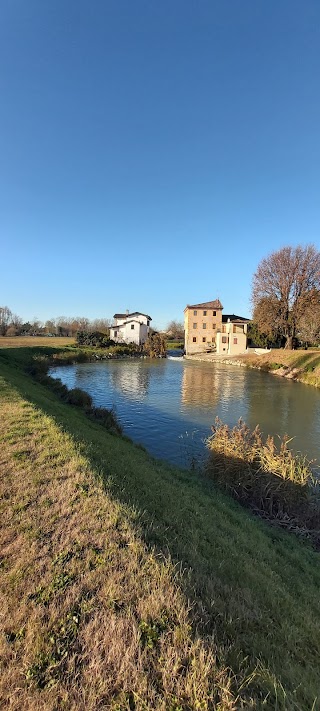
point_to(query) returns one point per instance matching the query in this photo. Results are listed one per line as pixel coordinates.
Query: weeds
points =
(272, 480)
(48, 664)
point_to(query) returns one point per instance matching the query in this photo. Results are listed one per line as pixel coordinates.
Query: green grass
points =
(174, 344)
(251, 587)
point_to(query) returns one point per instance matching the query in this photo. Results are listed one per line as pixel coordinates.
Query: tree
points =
(6, 317)
(155, 346)
(175, 329)
(284, 288)
(308, 330)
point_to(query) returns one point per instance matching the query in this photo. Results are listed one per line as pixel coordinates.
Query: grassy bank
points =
(130, 584)
(303, 366)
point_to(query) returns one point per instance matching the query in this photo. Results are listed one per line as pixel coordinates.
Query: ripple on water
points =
(169, 407)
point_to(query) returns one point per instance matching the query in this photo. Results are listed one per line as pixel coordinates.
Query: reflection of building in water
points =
(198, 386)
(131, 378)
(211, 385)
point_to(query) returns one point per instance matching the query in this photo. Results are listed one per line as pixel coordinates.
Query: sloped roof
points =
(234, 319)
(122, 325)
(135, 313)
(216, 304)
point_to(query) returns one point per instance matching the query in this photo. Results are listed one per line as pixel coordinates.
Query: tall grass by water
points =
(266, 476)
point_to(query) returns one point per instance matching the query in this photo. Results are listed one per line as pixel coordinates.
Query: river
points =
(169, 405)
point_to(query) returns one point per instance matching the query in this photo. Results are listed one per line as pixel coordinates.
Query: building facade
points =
(201, 323)
(232, 339)
(207, 330)
(130, 328)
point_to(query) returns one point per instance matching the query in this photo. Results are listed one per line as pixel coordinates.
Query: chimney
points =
(127, 312)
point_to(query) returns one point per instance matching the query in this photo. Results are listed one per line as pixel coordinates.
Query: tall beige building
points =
(207, 329)
(201, 323)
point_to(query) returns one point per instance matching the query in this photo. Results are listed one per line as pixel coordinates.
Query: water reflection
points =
(199, 387)
(284, 407)
(132, 379)
(165, 403)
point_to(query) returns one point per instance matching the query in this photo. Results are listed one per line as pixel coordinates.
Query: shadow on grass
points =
(291, 505)
(249, 585)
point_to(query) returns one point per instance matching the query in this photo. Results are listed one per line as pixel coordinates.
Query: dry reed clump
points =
(271, 480)
(90, 619)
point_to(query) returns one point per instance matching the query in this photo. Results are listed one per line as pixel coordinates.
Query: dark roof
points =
(121, 325)
(135, 313)
(216, 304)
(234, 319)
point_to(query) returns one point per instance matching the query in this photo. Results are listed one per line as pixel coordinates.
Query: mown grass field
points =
(35, 341)
(130, 584)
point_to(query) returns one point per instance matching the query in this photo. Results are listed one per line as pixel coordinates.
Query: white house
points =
(232, 335)
(130, 328)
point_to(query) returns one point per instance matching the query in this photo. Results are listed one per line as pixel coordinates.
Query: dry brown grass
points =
(34, 341)
(279, 356)
(90, 618)
(266, 476)
(300, 365)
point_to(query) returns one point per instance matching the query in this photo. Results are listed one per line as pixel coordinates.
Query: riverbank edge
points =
(164, 525)
(300, 366)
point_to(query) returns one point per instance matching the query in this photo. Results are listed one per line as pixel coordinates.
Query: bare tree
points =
(101, 324)
(284, 288)
(5, 319)
(175, 329)
(308, 328)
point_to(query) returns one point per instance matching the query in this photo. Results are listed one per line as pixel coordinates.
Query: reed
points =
(266, 477)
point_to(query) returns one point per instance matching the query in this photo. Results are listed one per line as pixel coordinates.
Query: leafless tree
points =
(5, 319)
(175, 329)
(284, 288)
(101, 324)
(308, 328)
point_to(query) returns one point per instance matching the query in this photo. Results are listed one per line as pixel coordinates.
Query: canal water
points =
(170, 405)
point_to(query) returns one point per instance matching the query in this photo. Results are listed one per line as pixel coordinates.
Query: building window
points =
(194, 325)
(132, 326)
(204, 339)
(204, 325)
(194, 340)
(148, 323)
(213, 326)
(224, 339)
(214, 313)
(204, 313)
(223, 329)
(195, 313)
(115, 333)
(235, 340)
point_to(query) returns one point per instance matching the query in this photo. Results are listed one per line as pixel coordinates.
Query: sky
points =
(152, 152)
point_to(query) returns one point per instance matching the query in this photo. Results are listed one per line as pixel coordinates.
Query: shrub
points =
(107, 418)
(93, 338)
(80, 398)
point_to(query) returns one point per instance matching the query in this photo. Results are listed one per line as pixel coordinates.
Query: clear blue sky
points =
(153, 151)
